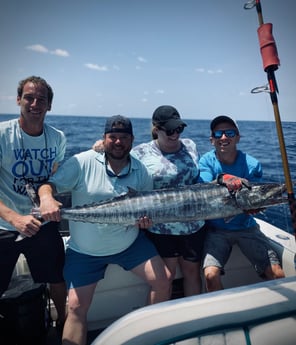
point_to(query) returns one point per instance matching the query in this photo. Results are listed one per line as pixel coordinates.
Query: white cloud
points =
(39, 48)
(7, 98)
(209, 71)
(60, 52)
(159, 92)
(141, 59)
(96, 67)
(200, 70)
(217, 71)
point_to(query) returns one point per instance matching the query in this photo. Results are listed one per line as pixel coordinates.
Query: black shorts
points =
(44, 252)
(190, 247)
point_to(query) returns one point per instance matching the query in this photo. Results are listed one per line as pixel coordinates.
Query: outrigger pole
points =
(270, 64)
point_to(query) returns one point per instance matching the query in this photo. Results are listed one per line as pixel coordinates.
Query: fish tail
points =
(32, 195)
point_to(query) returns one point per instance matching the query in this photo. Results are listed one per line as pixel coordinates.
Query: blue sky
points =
(106, 57)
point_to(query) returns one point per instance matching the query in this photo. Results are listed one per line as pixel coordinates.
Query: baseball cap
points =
(118, 124)
(223, 118)
(168, 117)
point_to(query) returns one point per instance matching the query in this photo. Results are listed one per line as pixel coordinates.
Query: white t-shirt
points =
(23, 159)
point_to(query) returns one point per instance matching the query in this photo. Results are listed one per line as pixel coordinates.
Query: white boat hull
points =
(128, 292)
(258, 314)
(122, 294)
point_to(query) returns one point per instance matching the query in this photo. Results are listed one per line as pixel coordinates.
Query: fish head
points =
(261, 195)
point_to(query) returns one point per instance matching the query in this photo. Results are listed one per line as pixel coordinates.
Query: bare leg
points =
(75, 329)
(158, 276)
(58, 293)
(171, 264)
(191, 277)
(213, 278)
(274, 272)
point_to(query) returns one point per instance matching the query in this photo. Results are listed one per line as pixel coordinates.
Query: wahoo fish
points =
(184, 204)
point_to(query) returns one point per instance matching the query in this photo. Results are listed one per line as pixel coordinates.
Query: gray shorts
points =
(252, 242)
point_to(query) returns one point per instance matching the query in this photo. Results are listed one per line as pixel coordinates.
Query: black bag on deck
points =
(24, 313)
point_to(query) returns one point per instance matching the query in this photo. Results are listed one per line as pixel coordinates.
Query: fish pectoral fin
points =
(131, 191)
(254, 211)
(229, 199)
(228, 219)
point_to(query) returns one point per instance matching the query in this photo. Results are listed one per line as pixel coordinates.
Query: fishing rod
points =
(271, 62)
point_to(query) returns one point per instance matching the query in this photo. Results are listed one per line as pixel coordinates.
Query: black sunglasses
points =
(229, 133)
(170, 132)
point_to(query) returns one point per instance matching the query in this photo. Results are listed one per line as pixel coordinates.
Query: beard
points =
(117, 153)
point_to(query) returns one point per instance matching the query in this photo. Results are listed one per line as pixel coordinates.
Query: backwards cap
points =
(118, 124)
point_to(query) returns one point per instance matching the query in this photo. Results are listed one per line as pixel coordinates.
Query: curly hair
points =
(154, 132)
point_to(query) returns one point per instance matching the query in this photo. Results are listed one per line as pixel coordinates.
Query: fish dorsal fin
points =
(130, 193)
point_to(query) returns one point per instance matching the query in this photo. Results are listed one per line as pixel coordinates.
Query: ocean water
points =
(257, 138)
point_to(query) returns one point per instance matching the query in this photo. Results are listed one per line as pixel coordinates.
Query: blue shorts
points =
(44, 252)
(82, 269)
(252, 242)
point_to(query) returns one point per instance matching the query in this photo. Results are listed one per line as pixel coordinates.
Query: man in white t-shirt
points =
(30, 151)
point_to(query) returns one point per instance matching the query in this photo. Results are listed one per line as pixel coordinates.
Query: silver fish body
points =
(196, 202)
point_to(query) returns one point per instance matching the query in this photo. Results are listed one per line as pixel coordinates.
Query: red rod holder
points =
(268, 47)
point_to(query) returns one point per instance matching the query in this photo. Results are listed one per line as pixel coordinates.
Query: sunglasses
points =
(170, 132)
(111, 174)
(229, 133)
